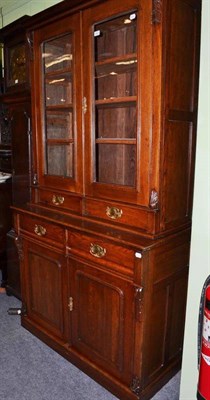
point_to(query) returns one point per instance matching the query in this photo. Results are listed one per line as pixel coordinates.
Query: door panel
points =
(115, 128)
(101, 318)
(44, 273)
(57, 89)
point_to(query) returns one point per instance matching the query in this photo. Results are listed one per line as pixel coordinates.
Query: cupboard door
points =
(57, 90)
(43, 274)
(101, 312)
(114, 130)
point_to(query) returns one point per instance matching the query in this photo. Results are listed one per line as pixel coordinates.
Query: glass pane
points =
(116, 164)
(116, 100)
(57, 54)
(116, 37)
(59, 125)
(60, 160)
(17, 65)
(58, 81)
(58, 90)
(116, 122)
(116, 79)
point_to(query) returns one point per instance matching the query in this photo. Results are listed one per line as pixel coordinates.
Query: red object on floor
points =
(204, 371)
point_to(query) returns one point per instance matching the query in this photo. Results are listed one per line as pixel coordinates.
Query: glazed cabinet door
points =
(21, 151)
(117, 119)
(16, 71)
(43, 277)
(101, 315)
(57, 105)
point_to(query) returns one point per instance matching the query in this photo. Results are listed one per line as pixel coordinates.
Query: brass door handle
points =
(114, 212)
(57, 200)
(97, 251)
(40, 230)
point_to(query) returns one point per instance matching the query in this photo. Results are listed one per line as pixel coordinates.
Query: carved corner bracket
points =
(19, 245)
(35, 179)
(135, 386)
(154, 200)
(156, 11)
(30, 43)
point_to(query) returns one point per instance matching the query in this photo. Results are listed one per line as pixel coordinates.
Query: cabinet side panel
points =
(178, 142)
(157, 328)
(166, 309)
(178, 313)
(182, 46)
(181, 88)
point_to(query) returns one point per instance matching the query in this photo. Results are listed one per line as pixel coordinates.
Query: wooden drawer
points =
(60, 200)
(100, 251)
(121, 214)
(40, 229)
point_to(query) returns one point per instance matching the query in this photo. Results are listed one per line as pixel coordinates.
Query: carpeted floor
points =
(30, 370)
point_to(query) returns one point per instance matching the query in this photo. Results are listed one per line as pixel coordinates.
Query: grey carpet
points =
(30, 370)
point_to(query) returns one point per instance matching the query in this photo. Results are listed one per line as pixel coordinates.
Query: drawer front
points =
(100, 251)
(60, 200)
(42, 230)
(121, 214)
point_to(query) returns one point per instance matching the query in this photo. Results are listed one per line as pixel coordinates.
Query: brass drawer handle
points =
(57, 200)
(40, 230)
(114, 212)
(97, 251)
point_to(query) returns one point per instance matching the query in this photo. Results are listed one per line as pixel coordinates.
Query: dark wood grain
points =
(104, 241)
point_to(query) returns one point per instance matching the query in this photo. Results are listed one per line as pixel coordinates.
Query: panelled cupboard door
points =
(57, 96)
(117, 57)
(101, 315)
(43, 288)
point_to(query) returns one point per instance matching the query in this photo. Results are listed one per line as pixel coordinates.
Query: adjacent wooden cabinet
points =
(104, 240)
(16, 72)
(5, 225)
(15, 109)
(19, 115)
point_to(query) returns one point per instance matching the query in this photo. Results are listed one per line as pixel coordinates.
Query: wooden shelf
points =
(120, 64)
(59, 107)
(117, 101)
(60, 72)
(116, 141)
(56, 142)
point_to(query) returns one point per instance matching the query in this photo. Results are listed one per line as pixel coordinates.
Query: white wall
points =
(200, 253)
(14, 9)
